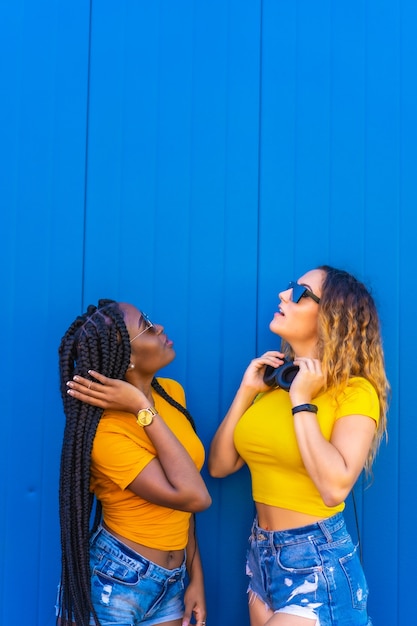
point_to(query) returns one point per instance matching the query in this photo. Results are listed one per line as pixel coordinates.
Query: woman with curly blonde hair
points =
(306, 439)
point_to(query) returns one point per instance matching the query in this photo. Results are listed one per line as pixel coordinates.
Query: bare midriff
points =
(169, 559)
(276, 518)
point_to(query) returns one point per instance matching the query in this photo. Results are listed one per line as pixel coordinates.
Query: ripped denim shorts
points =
(128, 589)
(312, 572)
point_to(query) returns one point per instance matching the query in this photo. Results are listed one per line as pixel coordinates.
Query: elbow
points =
(204, 504)
(221, 470)
(212, 469)
(200, 503)
(334, 497)
(331, 501)
(217, 469)
(215, 472)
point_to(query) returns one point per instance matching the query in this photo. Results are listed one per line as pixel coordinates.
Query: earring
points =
(131, 366)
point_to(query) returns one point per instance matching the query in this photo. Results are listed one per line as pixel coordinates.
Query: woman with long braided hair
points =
(130, 477)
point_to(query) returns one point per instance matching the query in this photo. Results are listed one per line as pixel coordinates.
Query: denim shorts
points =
(312, 572)
(128, 589)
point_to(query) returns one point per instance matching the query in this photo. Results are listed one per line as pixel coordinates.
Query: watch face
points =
(145, 417)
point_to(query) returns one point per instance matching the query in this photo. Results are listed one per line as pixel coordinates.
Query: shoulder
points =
(361, 386)
(360, 396)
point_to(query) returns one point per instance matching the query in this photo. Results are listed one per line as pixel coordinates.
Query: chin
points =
(274, 327)
(171, 354)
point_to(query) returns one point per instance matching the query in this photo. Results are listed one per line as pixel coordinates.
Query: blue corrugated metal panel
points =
(203, 155)
(404, 336)
(44, 52)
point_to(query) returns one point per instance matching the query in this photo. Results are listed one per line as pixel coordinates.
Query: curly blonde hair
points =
(350, 343)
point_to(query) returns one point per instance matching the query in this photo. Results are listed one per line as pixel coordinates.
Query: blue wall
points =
(192, 157)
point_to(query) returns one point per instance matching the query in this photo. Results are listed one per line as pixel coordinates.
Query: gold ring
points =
(91, 382)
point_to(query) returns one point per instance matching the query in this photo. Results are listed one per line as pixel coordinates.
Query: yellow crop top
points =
(121, 449)
(265, 439)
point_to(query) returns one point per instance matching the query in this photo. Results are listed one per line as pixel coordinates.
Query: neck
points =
(307, 351)
(143, 383)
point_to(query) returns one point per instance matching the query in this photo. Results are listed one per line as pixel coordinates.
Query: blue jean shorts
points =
(312, 572)
(128, 589)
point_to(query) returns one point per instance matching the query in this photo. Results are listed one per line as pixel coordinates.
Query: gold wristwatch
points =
(145, 416)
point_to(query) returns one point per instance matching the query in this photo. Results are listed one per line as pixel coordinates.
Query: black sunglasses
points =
(300, 291)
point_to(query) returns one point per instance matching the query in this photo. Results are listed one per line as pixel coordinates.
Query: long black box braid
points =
(96, 340)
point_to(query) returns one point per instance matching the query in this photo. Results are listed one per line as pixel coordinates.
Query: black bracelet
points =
(311, 408)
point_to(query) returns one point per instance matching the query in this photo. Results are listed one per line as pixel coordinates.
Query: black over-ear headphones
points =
(281, 376)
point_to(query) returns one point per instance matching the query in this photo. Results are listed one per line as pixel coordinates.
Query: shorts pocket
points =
(355, 576)
(116, 571)
(304, 554)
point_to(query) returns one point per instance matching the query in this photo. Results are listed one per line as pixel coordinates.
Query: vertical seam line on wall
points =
(365, 133)
(295, 122)
(87, 127)
(258, 242)
(398, 278)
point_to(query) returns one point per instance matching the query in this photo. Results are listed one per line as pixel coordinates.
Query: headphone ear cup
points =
(281, 376)
(269, 376)
(286, 374)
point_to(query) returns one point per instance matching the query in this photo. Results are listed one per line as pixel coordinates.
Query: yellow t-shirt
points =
(121, 449)
(265, 439)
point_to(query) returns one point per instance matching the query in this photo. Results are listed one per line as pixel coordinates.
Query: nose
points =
(285, 295)
(159, 329)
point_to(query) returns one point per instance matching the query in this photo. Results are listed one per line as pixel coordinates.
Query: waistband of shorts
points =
(325, 528)
(109, 543)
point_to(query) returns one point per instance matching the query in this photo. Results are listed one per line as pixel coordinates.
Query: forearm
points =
(223, 457)
(179, 468)
(194, 597)
(323, 461)
(193, 562)
(335, 464)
